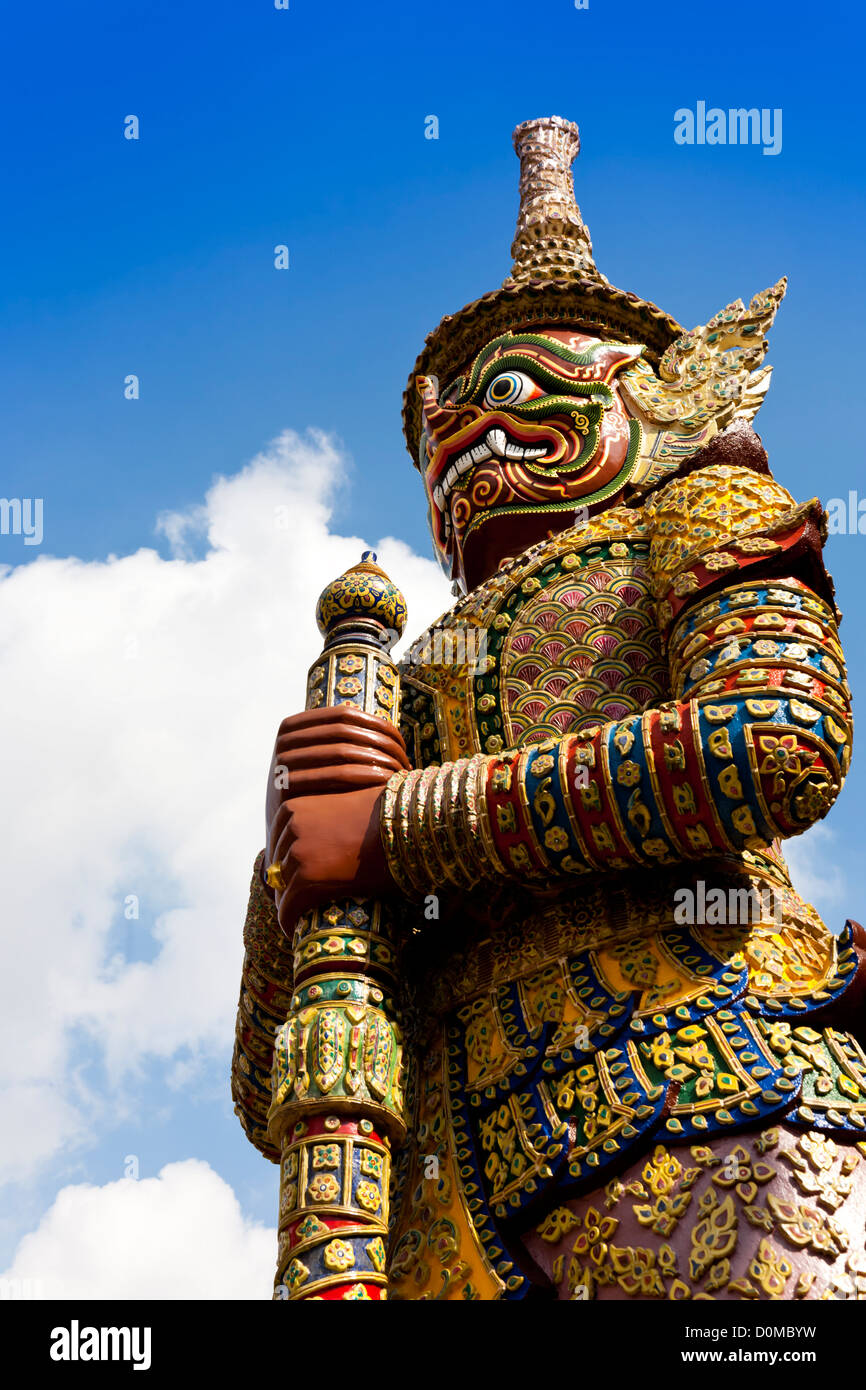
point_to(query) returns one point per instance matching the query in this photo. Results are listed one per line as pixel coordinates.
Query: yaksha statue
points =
(530, 1006)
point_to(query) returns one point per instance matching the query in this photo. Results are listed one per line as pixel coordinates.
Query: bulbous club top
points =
(364, 591)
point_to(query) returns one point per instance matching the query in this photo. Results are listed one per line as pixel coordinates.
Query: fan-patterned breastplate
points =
(562, 639)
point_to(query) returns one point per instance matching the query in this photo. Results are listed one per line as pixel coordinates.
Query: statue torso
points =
(556, 1023)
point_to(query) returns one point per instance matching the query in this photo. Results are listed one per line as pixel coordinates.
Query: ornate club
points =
(337, 1103)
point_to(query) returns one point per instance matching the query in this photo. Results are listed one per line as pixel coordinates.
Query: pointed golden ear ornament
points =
(707, 379)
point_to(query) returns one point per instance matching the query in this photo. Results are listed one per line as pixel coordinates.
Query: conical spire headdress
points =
(552, 239)
(553, 278)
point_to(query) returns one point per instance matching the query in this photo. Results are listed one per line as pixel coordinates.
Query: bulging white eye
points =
(511, 388)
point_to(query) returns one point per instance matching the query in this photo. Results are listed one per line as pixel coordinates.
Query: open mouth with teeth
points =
(494, 462)
(495, 444)
(532, 430)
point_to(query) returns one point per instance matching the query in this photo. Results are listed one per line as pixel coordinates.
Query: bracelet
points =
(388, 820)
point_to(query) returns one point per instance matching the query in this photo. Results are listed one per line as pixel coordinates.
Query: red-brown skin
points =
(504, 536)
(323, 827)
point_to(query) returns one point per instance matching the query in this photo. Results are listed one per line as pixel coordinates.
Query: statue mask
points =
(535, 425)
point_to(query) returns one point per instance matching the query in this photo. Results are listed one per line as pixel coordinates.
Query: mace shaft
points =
(337, 1100)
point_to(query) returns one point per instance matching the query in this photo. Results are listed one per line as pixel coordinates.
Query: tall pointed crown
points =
(552, 238)
(553, 277)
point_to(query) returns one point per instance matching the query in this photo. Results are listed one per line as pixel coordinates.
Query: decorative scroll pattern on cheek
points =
(535, 426)
(585, 650)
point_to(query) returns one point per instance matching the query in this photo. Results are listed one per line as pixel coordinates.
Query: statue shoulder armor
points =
(722, 512)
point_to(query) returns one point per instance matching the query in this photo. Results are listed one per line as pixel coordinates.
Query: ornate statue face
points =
(548, 424)
(532, 431)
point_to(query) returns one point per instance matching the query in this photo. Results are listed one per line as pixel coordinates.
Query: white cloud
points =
(179, 1235)
(141, 697)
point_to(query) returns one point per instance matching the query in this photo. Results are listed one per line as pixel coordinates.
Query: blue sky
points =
(306, 127)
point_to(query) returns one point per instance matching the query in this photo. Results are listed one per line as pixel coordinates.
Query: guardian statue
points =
(530, 1007)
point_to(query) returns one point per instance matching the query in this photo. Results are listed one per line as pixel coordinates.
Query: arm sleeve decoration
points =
(753, 746)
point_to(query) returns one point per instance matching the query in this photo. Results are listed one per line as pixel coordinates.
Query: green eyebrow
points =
(541, 374)
(515, 340)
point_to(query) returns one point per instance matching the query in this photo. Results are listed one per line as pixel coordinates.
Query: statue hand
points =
(328, 847)
(327, 775)
(336, 749)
